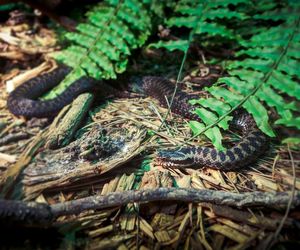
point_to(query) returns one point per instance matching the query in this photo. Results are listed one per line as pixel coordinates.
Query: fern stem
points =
(191, 35)
(264, 80)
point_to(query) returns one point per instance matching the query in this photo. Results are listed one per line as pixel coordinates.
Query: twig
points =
(30, 211)
(13, 138)
(290, 201)
(248, 199)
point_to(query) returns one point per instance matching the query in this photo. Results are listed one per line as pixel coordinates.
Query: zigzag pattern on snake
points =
(248, 149)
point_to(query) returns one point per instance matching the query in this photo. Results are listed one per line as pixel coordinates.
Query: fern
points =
(101, 46)
(205, 18)
(264, 71)
(268, 71)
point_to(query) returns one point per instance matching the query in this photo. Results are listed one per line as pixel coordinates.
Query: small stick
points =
(13, 138)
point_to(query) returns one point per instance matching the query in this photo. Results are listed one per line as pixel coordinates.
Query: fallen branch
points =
(46, 213)
(249, 199)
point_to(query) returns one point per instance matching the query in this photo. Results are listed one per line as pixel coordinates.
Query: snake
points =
(23, 102)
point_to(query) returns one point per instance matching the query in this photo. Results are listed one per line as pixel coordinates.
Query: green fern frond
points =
(204, 18)
(267, 73)
(264, 71)
(182, 45)
(101, 46)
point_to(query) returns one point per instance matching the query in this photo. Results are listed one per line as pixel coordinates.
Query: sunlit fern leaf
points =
(276, 14)
(283, 74)
(264, 71)
(271, 69)
(101, 46)
(214, 134)
(172, 45)
(203, 17)
(211, 107)
(292, 122)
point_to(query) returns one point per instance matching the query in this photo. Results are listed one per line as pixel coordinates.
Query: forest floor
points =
(51, 176)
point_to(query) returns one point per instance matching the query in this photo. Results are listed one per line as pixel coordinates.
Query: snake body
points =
(22, 102)
(247, 150)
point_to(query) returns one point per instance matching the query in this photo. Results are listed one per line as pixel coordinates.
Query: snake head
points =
(174, 158)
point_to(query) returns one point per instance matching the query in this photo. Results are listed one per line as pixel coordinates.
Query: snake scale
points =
(253, 143)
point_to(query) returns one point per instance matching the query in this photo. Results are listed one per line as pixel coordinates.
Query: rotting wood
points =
(63, 133)
(9, 178)
(56, 172)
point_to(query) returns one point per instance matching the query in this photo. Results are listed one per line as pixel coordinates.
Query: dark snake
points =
(22, 102)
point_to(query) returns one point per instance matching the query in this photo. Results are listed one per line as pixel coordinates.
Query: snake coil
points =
(253, 143)
(247, 150)
(22, 101)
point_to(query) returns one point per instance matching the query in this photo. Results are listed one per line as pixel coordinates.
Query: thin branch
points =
(41, 214)
(290, 202)
(249, 199)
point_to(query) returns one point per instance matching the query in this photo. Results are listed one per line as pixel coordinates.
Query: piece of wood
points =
(62, 134)
(29, 212)
(248, 199)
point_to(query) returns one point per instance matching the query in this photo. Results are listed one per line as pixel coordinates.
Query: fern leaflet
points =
(260, 77)
(210, 22)
(264, 70)
(101, 46)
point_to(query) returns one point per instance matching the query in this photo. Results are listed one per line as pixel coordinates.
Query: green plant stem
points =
(191, 35)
